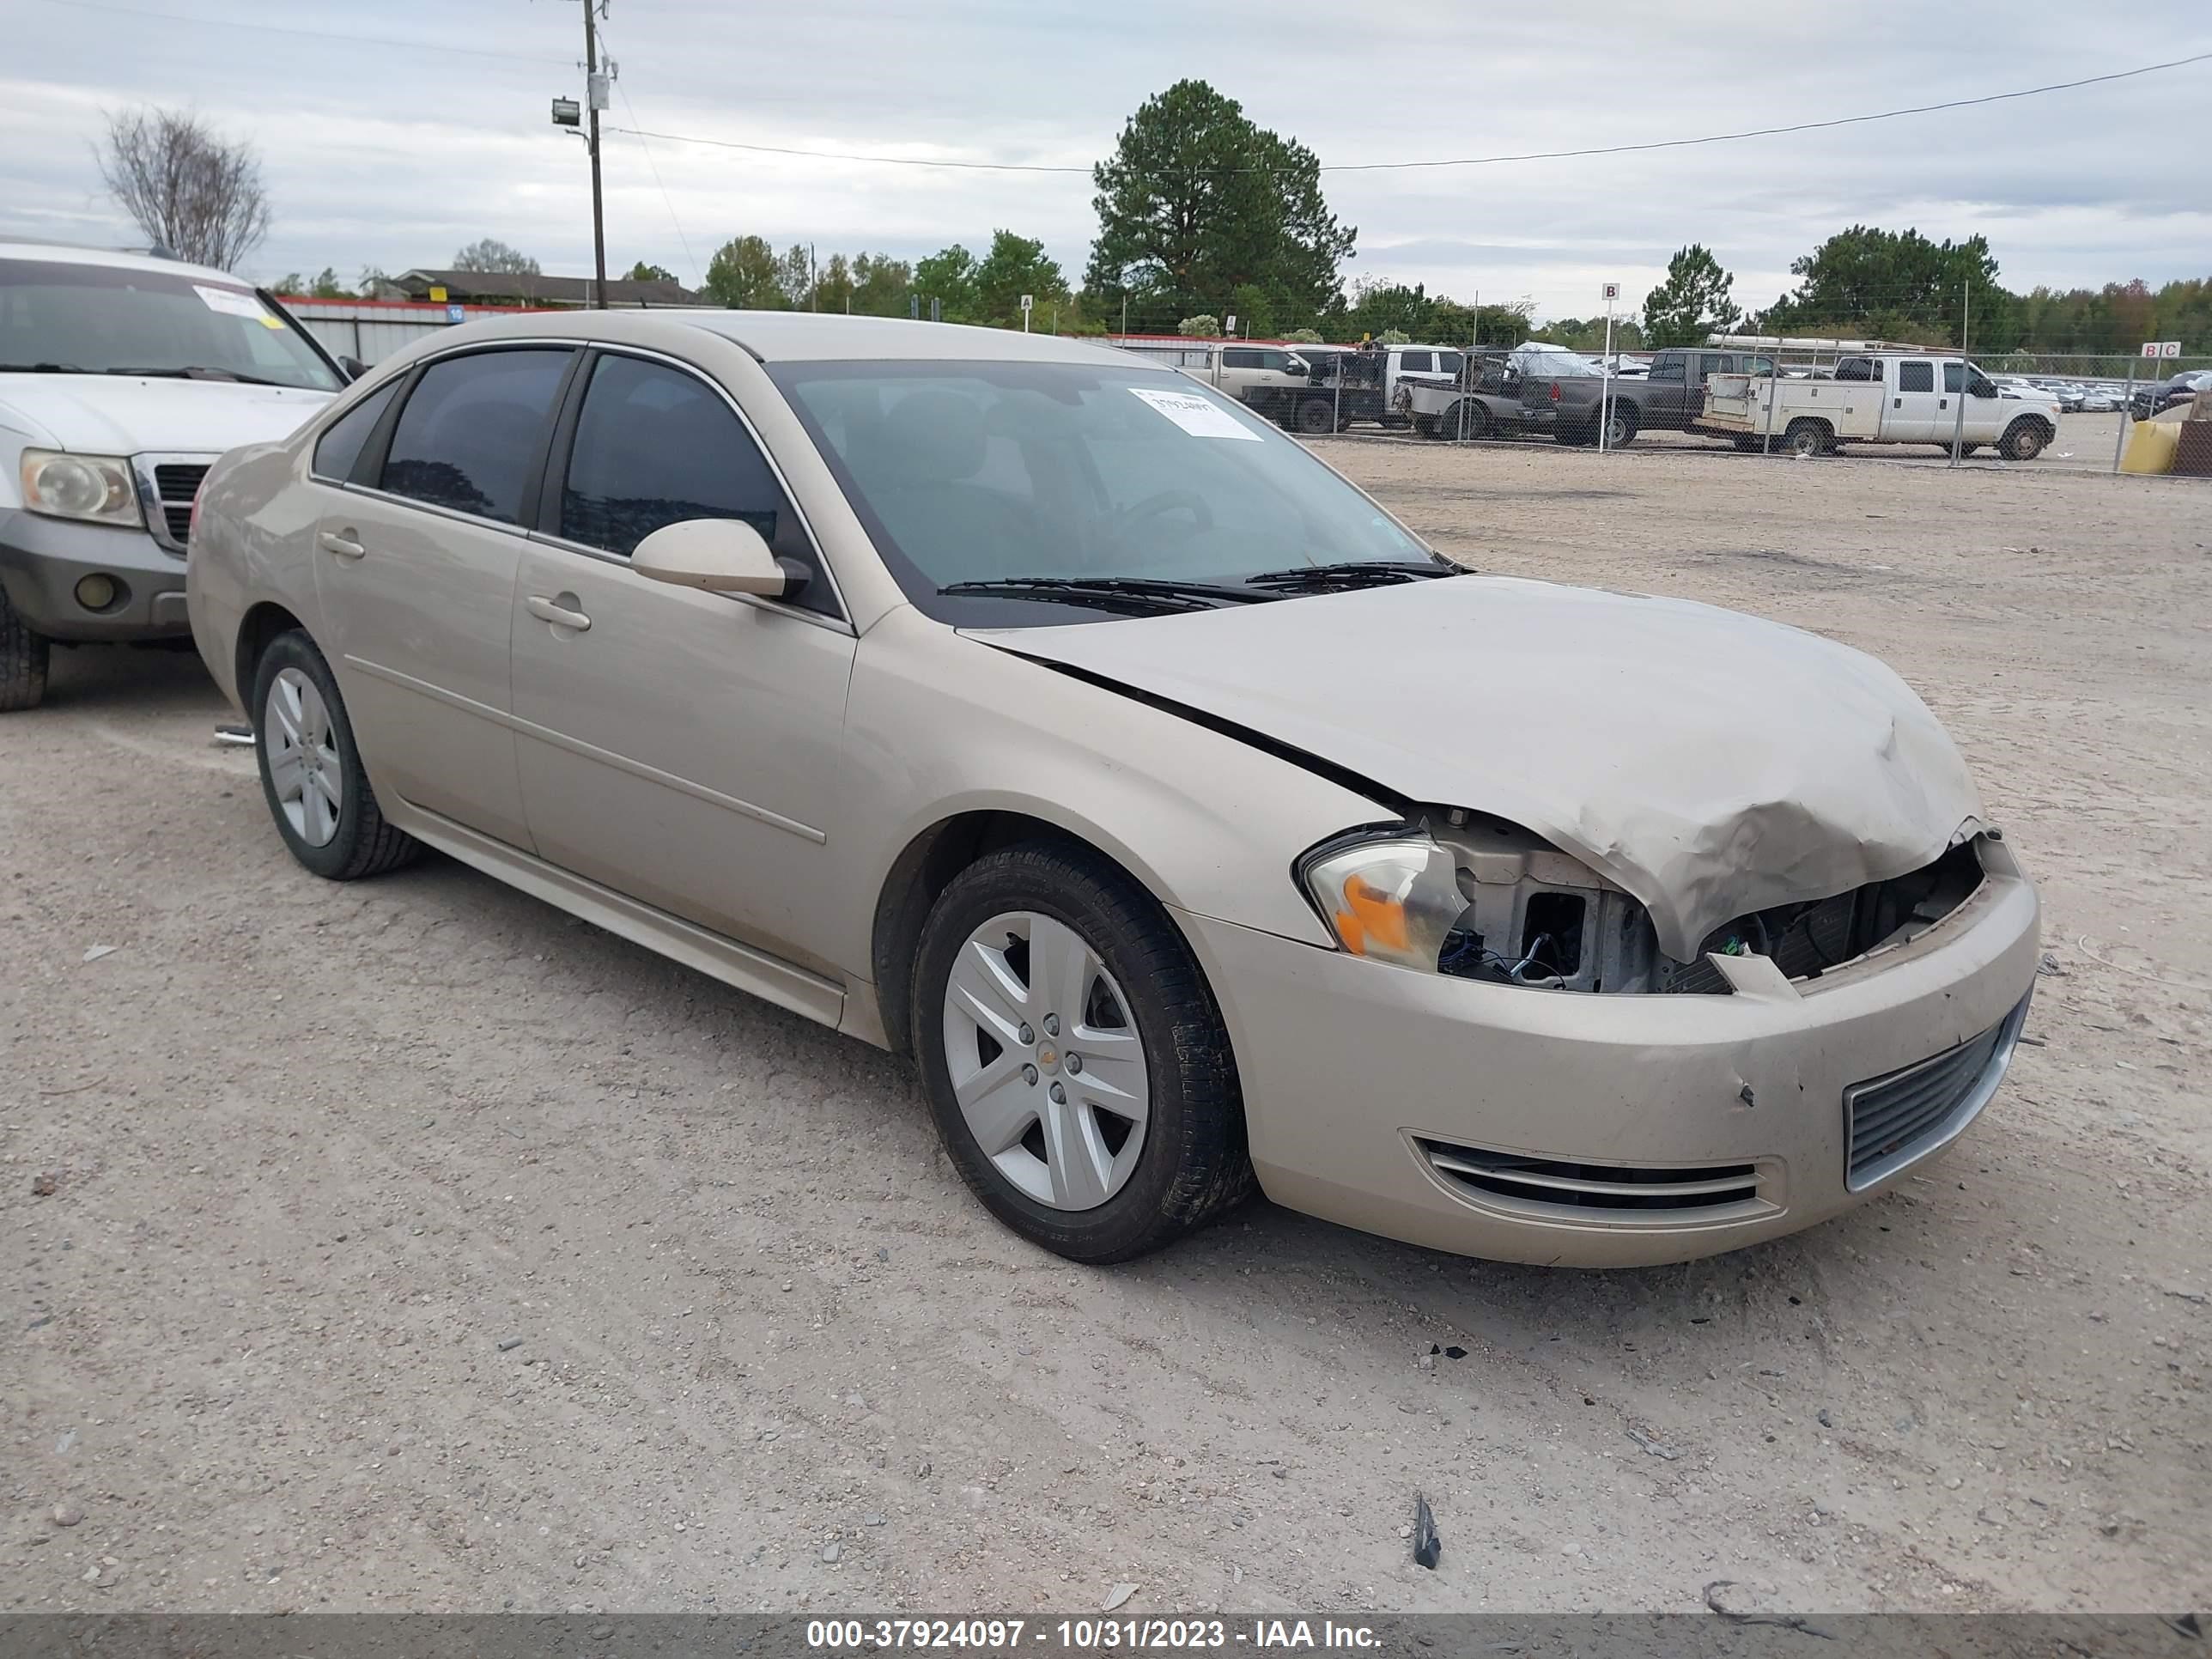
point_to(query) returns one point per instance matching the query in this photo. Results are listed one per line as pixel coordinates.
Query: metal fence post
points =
(2127, 417)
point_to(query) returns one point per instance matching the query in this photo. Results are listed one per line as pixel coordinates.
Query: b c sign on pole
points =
(2162, 347)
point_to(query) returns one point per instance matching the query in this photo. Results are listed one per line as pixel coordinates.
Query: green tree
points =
(1692, 302)
(1016, 265)
(833, 285)
(1900, 285)
(880, 285)
(948, 277)
(745, 274)
(489, 254)
(794, 274)
(643, 272)
(324, 285)
(1204, 327)
(1197, 201)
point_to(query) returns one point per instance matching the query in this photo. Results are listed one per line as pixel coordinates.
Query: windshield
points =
(997, 471)
(105, 319)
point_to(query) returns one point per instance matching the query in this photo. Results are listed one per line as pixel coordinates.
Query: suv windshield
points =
(1014, 471)
(65, 318)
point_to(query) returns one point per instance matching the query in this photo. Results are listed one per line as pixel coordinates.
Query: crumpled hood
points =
(118, 415)
(1710, 763)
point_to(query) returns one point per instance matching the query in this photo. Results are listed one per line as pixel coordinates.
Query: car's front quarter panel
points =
(938, 725)
(254, 546)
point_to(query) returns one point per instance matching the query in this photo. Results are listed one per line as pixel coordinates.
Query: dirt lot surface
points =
(411, 1246)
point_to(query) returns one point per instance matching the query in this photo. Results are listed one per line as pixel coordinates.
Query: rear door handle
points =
(345, 546)
(559, 615)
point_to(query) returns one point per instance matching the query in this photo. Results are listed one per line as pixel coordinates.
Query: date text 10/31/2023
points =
(1082, 1635)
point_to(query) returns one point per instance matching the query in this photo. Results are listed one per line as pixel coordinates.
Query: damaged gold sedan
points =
(1014, 704)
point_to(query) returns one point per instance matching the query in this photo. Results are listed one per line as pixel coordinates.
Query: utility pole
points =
(594, 98)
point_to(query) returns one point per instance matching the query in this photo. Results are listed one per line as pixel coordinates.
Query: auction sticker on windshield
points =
(1200, 416)
(232, 303)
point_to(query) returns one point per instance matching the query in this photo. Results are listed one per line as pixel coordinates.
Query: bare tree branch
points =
(188, 191)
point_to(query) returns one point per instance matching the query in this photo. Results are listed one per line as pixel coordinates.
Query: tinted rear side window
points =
(656, 446)
(471, 428)
(1420, 362)
(340, 446)
(1916, 376)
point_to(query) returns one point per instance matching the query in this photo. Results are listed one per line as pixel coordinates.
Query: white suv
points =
(122, 379)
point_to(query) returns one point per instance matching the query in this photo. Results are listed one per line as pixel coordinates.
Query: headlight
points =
(97, 488)
(1392, 901)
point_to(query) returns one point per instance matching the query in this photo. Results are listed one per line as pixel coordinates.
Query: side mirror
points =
(352, 367)
(720, 555)
(1296, 367)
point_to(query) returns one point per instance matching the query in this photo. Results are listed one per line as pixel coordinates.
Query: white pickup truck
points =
(1884, 397)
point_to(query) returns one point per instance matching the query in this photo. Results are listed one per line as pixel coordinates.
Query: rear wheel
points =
(23, 654)
(1316, 416)
(1807, 438)
(1074, 1059)
(311, 770)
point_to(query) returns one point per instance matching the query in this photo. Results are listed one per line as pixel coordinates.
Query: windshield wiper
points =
(39, 368)
(1111, 593)
(196, 372)
(1353, 573)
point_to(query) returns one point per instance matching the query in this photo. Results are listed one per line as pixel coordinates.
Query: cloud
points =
(394, 154)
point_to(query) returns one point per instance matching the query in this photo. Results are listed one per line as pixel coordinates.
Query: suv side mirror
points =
(720, 555)
(352, 367)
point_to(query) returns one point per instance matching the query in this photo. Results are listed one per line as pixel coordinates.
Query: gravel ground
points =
(408, 1245)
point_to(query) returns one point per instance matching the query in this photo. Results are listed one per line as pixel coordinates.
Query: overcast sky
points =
(395, 150)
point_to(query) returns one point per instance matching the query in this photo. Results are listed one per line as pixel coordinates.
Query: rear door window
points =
(341, 444)
(655, 446)
(1916, 376)
(472, 430)
(1417, 362)
(1238, 357)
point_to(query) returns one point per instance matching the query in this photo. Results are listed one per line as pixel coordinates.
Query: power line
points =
(1459, 161)
(428, 47)
(666, 200)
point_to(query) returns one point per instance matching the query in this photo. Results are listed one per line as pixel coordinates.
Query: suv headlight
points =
(1392, 899)
(95, 488)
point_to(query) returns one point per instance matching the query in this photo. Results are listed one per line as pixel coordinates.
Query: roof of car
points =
(800, 336)
(67, 253)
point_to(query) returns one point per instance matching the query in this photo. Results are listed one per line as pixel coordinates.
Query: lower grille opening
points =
(1589, 1189)
(1895, 1119)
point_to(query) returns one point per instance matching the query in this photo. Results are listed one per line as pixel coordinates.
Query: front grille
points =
(167, 487)
(1589, 1191)
(1890, 1120)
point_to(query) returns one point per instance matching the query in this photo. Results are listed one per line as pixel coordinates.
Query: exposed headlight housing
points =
(1393, 899)
(97, 488)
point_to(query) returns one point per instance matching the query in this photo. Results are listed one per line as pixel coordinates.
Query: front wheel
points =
(1073, 1056)
(23, 655)
(310, 771)
(2024, 442)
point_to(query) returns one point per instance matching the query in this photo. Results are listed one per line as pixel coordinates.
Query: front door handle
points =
(559, 615)
(344, 545)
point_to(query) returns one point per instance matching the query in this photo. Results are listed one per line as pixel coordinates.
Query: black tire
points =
(2024, 440)
(1808, 437)
(1622, 427)
(23, 656)
(1316, 416)
(1193, 1167)
(364, 844)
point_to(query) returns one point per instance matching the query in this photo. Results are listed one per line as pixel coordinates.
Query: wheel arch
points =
(927, 864)
(264, 623)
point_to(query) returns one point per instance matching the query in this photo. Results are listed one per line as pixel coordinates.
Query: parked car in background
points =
(1238, 368)
(2149, 399)
(2096, 400)
(1484, 401)
(1028, 708)
(1669, 397)
(122, 378)
(1886, 397)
